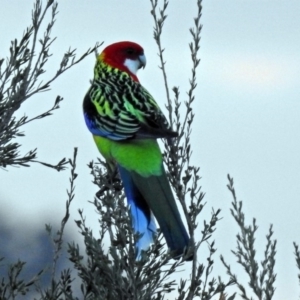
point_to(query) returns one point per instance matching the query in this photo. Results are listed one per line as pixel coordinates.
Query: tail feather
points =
(158, 194)
(154, 194)
(142, 217)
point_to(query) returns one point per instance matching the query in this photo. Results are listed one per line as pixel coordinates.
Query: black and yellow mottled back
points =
(119, 108)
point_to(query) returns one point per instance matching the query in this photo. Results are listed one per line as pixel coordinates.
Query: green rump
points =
(142, 156)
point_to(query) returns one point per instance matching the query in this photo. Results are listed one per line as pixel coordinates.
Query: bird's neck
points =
(103, 68)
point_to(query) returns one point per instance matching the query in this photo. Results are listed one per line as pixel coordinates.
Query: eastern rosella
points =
(125, 122)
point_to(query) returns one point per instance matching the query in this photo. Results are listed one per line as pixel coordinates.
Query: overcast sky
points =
(247, 115)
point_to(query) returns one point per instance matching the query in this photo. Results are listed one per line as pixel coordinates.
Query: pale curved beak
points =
(142, 60)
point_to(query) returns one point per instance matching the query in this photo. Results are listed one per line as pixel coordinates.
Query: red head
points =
(126, 56)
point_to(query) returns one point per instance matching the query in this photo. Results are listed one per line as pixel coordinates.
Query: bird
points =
(126, 122)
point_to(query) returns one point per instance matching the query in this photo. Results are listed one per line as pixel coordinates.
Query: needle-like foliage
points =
(261, 277)
(23, 75)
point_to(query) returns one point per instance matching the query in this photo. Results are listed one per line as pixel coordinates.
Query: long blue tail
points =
(142, 217)
(153, 194)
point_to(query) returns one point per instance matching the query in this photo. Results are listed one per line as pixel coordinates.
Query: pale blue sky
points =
(247, 114)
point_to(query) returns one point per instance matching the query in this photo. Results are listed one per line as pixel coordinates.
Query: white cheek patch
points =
(132, 65)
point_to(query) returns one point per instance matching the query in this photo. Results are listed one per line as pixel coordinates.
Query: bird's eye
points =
(129, 51)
